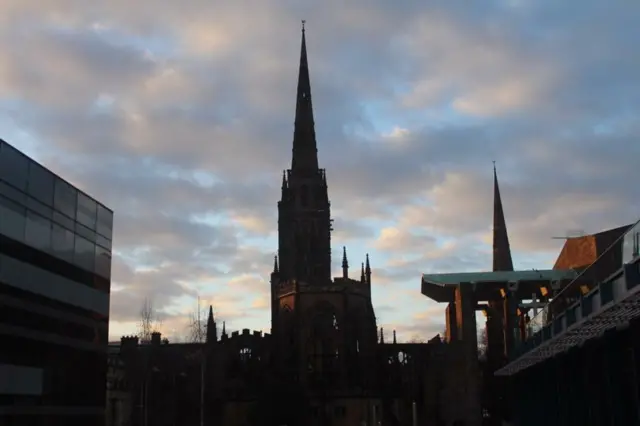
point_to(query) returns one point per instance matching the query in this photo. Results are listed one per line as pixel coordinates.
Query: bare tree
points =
(197, 327)
(149, 322)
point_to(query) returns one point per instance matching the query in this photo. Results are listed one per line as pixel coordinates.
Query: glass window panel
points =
(105, 222)
(63, 220)
(38, 232)
(103, 242)
(13, 194)
(41, 184)
(631, 244)
(87, 211)
(62, 242)
(85, 232)
(14, 167)
(65, 198)
(12, 219)
(103, 262)
(84, 253)
(40, 208)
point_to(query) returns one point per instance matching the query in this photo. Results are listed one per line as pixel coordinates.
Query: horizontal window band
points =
(24, 253)
(30, 278)
(54, 339)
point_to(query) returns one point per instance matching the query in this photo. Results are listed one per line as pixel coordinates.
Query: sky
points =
(179, 117)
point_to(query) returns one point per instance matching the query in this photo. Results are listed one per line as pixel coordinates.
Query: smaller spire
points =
(284, 179)
(362, 278)
(367, 270)
(212, 328)
(345, 263)
(275, 264)
(224, 329)
(394, 337)
(381, 335)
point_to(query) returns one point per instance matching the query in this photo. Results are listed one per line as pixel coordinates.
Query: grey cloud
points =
(546, 89)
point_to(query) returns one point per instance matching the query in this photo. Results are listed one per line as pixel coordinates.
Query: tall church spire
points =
(305, 151)
(501, 249)
(212, 328)
(304, 211)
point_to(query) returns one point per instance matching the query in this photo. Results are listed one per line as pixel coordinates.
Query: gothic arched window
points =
(245, 354)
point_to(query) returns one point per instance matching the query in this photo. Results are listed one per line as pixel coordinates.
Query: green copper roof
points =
(500, 276)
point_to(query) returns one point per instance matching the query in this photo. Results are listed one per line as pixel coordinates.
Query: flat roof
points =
(441, 287)
(499, 276)
(55, 175)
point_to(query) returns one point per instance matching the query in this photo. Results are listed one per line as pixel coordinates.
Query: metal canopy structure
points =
(487, 285)
(612, 304)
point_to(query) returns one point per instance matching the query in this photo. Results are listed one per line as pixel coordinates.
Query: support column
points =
(451, 331)
(494, 386)
(465, 307)
(510, 306)
(495, 335)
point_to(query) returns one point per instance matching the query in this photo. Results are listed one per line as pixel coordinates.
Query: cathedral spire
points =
(501, 249)
(362, 277)
(345, 263)
(305, 151)
(212, 328)
(367, 270)
(275, 264)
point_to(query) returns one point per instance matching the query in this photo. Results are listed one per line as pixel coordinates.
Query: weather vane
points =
(303, 22)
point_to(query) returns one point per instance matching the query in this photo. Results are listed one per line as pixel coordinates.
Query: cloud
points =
(179, 117)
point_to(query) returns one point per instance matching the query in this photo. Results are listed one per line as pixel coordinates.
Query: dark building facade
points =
(325, 362)
(55, 273)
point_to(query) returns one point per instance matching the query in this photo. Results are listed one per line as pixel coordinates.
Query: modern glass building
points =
(55, 275)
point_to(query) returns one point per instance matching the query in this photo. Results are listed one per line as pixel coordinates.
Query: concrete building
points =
(55, 274)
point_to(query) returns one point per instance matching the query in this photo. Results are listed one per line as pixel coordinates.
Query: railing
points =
(630, 251)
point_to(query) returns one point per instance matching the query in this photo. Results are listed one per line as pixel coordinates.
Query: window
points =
(41, 183)
(87, 211)
(84, 255)
(105, 222)
(63, 220)
(14, 167)
(85, 232)
(38, 232)
(12, 219)
(62, 242)
(103, 242)
(42, 209)
(245, 354)
(11, 193)
(65, 198)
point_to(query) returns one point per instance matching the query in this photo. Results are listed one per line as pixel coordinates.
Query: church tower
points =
(324, 329)
(304, 222)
